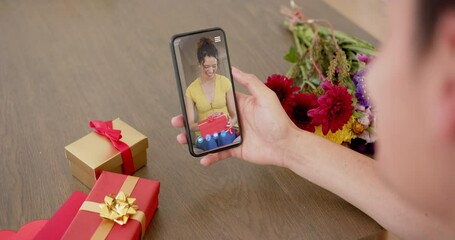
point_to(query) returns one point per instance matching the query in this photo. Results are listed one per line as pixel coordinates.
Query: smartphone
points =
(206, 90)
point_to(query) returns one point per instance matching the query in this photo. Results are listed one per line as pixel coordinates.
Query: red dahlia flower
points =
(282, 86)
(334, 110)
(298, 112)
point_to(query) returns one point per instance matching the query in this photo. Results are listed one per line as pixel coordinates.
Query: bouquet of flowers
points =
(324, 90)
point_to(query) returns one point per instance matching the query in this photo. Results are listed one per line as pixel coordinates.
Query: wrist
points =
(286, 147)
(295, 148)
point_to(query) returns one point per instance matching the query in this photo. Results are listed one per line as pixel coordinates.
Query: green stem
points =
(306, 79)
(304, 75)
(297, 42)
(315, 66)
(290, 72)
(311, 84)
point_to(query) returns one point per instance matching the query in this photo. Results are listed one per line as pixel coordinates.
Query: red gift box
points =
(60, 221)
(52, 229)
(89, 225)
(213, 124)
(26, 232)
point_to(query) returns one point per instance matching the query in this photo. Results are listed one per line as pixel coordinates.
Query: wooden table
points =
(64, 63)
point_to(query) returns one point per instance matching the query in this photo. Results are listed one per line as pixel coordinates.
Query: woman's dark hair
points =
(428, 14)
(206, 48)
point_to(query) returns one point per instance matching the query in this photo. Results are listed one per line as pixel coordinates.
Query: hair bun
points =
(206, 48)
(204, 42)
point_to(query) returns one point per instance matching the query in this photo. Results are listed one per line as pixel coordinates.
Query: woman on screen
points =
(211, 94)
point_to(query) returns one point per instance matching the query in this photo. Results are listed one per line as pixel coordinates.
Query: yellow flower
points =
(340, 136)
(358, 128)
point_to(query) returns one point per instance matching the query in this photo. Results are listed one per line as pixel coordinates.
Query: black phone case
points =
(182, 97)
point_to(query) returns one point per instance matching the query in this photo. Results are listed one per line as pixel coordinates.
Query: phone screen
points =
(206, 90)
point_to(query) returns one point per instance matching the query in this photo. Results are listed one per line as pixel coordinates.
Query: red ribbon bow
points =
(104, 128)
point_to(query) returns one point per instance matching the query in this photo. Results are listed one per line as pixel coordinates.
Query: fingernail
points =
(202, 162)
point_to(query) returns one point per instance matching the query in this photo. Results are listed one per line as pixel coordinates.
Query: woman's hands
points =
(266, 129)
(231, 108)
(231, 122)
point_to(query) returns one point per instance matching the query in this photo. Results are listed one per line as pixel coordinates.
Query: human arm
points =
(190, 113)
(231, 108)
(358, 179)
(350, 175)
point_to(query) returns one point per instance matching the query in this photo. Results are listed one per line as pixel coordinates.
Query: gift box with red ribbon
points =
(113, 146)
(118, 207)
(213, 124)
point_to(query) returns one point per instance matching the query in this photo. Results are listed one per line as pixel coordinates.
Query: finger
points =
(181, 138)
(177, 121)
(250, 82)
(213, 158)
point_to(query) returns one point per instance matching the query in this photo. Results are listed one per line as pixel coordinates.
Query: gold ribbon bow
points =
(118, 209)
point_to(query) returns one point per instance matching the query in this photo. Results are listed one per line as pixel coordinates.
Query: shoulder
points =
(222, 78)
(192, 86)
(225, 82)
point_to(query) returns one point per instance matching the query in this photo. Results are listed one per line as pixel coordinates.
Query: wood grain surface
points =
(64, 63)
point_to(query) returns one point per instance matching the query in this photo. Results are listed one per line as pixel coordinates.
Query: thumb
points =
(255, 86)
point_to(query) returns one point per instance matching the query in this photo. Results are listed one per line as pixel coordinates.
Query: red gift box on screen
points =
(114, 190)
(213, 124)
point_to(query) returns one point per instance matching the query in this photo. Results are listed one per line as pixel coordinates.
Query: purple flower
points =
(360, 92)
(362, 146)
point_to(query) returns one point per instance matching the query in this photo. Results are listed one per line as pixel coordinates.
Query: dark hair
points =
(428, 14)
(206, 48)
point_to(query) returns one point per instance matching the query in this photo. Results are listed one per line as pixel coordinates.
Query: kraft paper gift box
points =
(97, 152)
(213, 124)
(143, 193)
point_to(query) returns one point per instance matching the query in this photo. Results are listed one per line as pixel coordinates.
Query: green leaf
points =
(315, 81)
(358, 49)
(357, 114)
(351, 56)
(350, 85)
(308, 33)
(292, 55)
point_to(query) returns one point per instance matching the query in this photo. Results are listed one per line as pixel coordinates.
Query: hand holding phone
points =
(206, 90)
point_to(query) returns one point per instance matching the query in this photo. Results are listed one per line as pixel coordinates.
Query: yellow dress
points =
(203, 106)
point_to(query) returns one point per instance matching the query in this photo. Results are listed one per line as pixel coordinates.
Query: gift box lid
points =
(220, 118)
(214, 124)
(97, 151)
